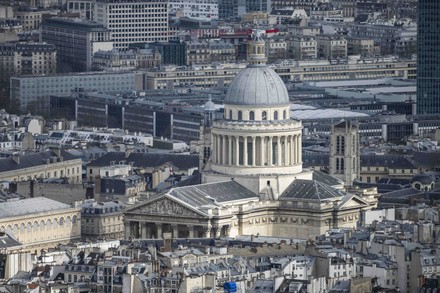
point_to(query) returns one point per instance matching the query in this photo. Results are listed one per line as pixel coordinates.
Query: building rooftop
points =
(30, 206)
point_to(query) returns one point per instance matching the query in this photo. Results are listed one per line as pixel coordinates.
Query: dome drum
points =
(247, 154)
(253, 113)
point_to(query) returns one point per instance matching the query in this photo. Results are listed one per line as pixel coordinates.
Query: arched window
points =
(240, 115)
(342, 165)
(264, 115)
(251, 115)
(284, 115)
(417, 186)
(337, 164)
(230, 114)
(275, 115)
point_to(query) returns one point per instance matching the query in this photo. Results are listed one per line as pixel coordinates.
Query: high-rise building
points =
(133, 22)
(428, 57)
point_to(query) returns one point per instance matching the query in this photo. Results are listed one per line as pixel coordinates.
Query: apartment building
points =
(303, 48)
(132, 21)
(331, 46)
(116, 60)
(76, 40)
(31, 19)
(27, 59)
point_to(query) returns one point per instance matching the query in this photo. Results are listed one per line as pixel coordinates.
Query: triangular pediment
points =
(166, 205)
(352, 201)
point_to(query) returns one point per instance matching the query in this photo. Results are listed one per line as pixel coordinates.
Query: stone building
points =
(345, 152)
(27, 59)
(42, 165)
(40, 222)
(253, 181)
(102, 219)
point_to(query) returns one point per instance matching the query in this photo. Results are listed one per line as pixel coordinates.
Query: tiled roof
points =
(310, 190)
(212, 193)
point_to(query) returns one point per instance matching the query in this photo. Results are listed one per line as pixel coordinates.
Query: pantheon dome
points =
(257, 85)
(256, 139)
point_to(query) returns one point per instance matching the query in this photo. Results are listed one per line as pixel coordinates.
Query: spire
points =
(256, 48)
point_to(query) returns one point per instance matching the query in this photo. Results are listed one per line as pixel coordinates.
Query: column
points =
(191, 231)
(214, 147)
(292, 150)
(262, 149)
(229, 150)
(279, 151)
(224, 155)
(245, 151)
(237, 150)
(127, 230)
(159, 231)
(286, 151)
(299, 149)
(218, 232)
(269, 152)
(144, 230)
(208, 232)
(218, 150)
(254, 140)
(175, 231)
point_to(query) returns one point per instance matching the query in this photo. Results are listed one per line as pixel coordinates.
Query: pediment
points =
(166, 205)
(352, 201)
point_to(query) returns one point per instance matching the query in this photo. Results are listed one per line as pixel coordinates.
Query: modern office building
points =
(428, 57)
(196, 9)
(76, 41)
(34, 91)
(133, 21)
(85, 8)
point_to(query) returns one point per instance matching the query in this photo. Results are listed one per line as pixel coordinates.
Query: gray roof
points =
(310, 190)
(390, 161)
(212, 193)
(257, 85)
(30, 206)
(31, 160)
(144, 160)
(325, 178)
(6, 241)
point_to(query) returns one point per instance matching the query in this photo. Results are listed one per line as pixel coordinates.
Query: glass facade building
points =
(428, 57)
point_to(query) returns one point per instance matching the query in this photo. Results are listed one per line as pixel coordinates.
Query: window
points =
(230, 114)
(251, 115)
(240, 115)
(264, 115)
(284, 115)
(275, 115)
